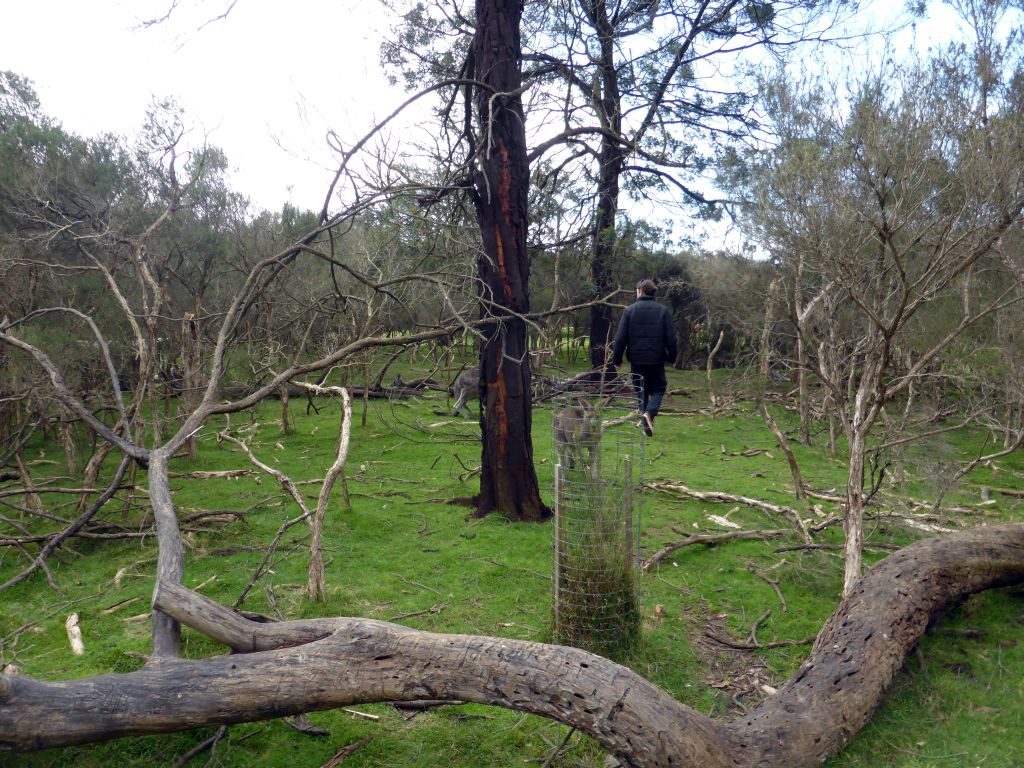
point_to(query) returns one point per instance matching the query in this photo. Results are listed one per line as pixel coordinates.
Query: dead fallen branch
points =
(434, 609)
(58, 489)
(207, 745)
(285, 668)
(711, 539)
(230, 474)
(774, 584)
(55, 541)
(752, 637)
(14, 541)
(1008, 492)
(718, 497)
(832, 547)
(756, 646)
(823, 495)
(344, 753)
(783, 441)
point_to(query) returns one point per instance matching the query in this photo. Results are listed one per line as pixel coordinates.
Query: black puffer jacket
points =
(646, 334)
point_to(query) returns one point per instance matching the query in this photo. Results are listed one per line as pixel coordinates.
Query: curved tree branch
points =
(290, 667)
(865, 642)
(137, 452)
(40, 560)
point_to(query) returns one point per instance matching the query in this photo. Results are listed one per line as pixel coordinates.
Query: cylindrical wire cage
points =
(598, 474)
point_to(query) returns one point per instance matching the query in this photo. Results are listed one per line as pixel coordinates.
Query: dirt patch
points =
(741, 674)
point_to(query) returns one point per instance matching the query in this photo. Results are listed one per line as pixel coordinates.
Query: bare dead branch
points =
(678, 489)
(271, 671)
(71, 530)
(711, 539)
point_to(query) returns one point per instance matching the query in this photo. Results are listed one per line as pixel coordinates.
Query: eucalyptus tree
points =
(500, 179)
(638, 96)
(884, 211)
(645, 94)
(486, 159)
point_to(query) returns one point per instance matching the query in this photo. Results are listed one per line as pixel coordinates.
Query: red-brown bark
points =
(508, 480)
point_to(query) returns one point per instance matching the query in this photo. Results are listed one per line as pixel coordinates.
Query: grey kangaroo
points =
(466, 387)
(577, 436)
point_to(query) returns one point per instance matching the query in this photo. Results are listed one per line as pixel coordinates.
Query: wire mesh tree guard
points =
(598, 472)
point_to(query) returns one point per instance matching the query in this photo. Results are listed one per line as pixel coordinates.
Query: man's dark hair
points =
(647, 287)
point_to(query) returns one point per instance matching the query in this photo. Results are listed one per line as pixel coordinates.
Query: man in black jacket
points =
(648, 337)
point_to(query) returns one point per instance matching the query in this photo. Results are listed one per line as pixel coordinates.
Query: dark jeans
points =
(650, 384)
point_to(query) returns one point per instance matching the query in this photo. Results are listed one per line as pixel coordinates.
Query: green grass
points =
(404, 554)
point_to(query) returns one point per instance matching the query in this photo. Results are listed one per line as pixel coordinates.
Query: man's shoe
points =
(647, 423)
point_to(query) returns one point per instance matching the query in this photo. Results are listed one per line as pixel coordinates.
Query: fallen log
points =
(286, 668)
(866, 641)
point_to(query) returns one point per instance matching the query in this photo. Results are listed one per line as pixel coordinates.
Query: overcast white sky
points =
(265, 84)
(271, 71)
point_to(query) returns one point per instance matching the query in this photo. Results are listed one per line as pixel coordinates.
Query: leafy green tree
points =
(632, 93)
(878, 213)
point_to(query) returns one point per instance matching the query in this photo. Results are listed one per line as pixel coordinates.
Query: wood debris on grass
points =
(709, 539)
(344, 752)
(738, 672)
(680, 490)
(74, 631)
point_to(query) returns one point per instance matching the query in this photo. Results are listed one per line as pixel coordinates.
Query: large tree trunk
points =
(508, 480)
(610, 161)
(170, 565)
(866, 641)
(280, 669)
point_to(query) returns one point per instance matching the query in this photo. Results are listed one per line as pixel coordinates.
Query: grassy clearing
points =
(404, 554)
